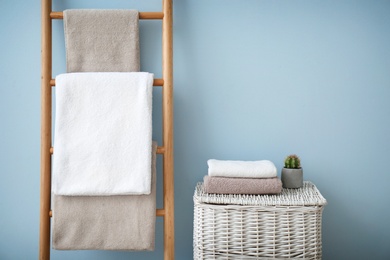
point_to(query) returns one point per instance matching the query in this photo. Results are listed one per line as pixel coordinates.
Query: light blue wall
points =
(254, 79)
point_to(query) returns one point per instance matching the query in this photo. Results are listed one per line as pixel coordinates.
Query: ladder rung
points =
(159, 213)
(142, 15)
(156, 82)
(160, 150)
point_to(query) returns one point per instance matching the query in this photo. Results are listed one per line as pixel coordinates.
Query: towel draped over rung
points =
(160, 150)
(159, 213)
(142, 15)
(156, 82)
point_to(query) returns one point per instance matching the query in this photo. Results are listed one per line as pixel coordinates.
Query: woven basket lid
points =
(308, 195)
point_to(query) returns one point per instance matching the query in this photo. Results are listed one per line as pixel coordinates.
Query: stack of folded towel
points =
(242, 177)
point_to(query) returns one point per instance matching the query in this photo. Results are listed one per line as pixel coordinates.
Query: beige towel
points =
(223, 185)
(106, 223)
(101, 40)
(104, 41)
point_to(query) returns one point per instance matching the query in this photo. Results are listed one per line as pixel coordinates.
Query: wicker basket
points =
(281, 226)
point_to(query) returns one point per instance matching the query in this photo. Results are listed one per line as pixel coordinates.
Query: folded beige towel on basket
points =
(222, 185)
(106, 222)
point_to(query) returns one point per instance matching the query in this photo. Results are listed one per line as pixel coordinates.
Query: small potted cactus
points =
(292, 173)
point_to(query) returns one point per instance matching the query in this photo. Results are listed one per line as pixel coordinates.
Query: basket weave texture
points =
(283, 226)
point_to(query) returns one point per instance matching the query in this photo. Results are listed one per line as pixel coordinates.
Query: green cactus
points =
(292, 161)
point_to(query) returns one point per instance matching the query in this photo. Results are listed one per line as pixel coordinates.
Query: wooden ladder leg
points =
(46, 52)
(167, 58)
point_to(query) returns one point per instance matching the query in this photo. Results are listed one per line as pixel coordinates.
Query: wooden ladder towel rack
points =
(166, 150)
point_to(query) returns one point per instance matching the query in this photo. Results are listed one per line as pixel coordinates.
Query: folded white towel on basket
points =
(243, 169)
(103, 134)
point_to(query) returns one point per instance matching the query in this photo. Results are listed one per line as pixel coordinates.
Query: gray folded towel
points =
(223, 185)
(101, 40)
(106, 222)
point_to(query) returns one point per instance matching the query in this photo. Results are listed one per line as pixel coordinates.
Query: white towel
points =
(103, 134)
(243, 169)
